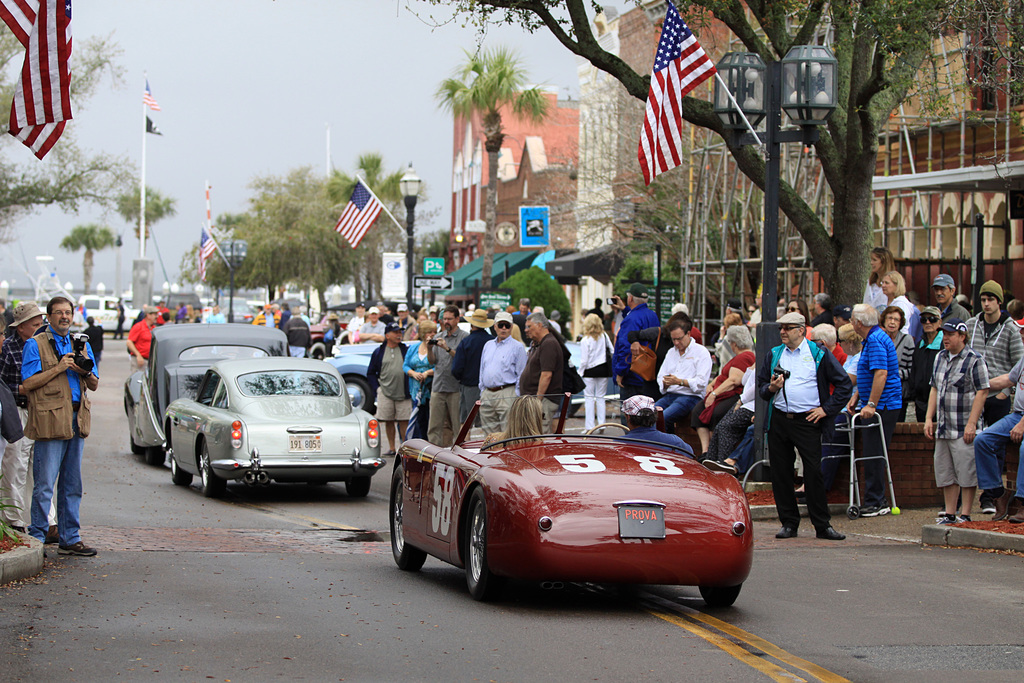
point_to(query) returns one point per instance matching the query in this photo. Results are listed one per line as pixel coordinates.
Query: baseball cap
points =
(373, 309)
(402, 307)
(392, 327)
(634, 404)
(933, 310)
(955, 325)
(943, 280)
(842, 311)
(503, 317)
(638, 290)
(25, 311)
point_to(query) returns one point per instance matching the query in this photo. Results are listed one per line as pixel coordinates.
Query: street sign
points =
(476, 226)
(433, 265)
(489, 300)
(419, 282)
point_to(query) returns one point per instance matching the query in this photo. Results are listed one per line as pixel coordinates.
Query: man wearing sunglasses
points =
(502, 362)
(805, 387)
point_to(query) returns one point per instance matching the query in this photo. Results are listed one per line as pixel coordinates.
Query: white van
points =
(103, 309)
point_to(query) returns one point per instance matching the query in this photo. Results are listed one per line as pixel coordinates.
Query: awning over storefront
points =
(467, 278)
(989, 178)
(601, 264)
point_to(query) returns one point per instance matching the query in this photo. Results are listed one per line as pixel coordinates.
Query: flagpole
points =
(740, 110)
(142, 187)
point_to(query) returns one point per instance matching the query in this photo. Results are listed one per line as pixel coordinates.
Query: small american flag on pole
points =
(679, 67)
(207, 248)
(148, 100)
(362, 209)
(42, 97)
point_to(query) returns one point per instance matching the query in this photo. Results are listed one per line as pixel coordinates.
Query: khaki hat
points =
(479, 318)
(503, 317)
(934, 310)
(25, 311)
(793, 319)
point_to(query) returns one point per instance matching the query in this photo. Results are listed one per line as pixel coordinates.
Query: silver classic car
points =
(272, 419)
(178, 358)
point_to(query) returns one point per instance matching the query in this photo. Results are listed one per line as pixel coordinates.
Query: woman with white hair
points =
(723, 393)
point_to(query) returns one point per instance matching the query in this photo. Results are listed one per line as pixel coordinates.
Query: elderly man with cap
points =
(841, 315)
(641, 418)
(502, 363)
(386, 374)
(805, 388)
(16, 486)
(635, 317)
(141, 336)
(466, 364)
(944, 293)
(373, 329)
(996, 339)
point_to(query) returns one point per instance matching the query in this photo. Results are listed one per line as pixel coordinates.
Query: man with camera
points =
(57, 370)
(805, 388)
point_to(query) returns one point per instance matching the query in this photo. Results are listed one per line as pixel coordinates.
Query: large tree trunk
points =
(493, 148)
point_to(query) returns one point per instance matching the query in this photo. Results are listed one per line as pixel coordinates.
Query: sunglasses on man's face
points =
(929, 319)
(788, 328)
(503, 325)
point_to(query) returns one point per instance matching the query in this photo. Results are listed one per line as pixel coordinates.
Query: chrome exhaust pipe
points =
(262, 478)
(249, 478)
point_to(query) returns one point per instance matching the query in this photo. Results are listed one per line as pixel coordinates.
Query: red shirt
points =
(840, 354)
(142, 336)
(742, 361)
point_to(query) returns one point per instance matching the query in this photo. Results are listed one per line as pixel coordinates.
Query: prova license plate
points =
(305, 444)
(641, 521)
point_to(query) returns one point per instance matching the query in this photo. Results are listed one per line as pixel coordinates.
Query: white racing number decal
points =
(583, 462)
(441, 512)
(655, 465)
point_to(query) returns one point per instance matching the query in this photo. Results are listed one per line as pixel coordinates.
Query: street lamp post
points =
(236, 251)
(803, 85)
(410, 184)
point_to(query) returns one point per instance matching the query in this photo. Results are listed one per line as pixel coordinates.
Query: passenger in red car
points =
(525, 418)
(640, 418)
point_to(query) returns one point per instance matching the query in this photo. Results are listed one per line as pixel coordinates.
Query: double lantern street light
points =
(803, 85)
(410, 186)
(235, 252)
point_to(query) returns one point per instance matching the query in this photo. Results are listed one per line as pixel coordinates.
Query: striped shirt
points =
(10, 363)
(879, 354)
(502, 362)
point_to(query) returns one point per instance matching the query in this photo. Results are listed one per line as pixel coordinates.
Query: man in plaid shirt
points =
(959, 389)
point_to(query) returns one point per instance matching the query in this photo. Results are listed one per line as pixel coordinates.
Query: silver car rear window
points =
(221, 352)
(288, 383)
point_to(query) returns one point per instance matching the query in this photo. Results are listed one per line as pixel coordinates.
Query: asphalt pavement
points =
(297, 582)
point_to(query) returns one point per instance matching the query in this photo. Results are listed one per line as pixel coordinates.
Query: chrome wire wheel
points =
(477, 542)
(483, 584)
(407, 557)
(397, 534)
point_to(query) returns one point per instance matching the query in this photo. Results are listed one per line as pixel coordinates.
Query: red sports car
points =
(561, 507)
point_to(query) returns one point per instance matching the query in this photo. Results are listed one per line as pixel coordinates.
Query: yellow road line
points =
(316, 521)
(773, 671)
(770, 649)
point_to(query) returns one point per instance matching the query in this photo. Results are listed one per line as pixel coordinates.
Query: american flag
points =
(42, 97)
(207, 248)
(679, 67)
(359, 214)
(147, 98)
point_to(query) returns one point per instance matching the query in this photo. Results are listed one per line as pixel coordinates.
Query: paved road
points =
(297, 582)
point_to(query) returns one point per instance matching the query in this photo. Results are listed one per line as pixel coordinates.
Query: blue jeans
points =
(676, 407)
(989, 450)
(52, 458)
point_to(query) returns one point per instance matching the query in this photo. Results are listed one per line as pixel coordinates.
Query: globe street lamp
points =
(236, 251)
(410, 184)
(804, 85)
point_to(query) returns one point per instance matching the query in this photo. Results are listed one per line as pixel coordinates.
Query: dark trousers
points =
(995, 410)
(786, 434)
(874, 470)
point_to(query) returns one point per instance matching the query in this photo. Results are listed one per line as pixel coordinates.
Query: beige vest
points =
(49, 406)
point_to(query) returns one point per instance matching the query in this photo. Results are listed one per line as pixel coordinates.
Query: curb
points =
(935, 534)
(21, 562)
(768, 513)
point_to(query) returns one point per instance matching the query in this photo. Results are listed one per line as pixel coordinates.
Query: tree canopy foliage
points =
(540, 288)
(881, 48)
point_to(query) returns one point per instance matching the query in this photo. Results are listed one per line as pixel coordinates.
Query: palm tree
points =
(92, 238)
(157, 207)
(483, 85)
(370, 167)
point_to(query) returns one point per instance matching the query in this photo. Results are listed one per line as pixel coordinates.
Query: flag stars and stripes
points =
(359, 214)
(148, 99)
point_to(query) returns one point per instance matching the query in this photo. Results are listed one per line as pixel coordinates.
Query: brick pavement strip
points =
(208, 540)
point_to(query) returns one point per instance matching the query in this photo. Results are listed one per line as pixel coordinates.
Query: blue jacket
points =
(373, 370)
(466, 364)
(639, 318)
(830, 374)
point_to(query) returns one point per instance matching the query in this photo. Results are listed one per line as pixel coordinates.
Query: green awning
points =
(467, 278)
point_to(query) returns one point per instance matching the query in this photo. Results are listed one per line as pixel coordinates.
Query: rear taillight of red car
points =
(373, 434)
(236, 434)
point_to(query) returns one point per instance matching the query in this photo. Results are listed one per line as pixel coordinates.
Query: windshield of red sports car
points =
(288, 383)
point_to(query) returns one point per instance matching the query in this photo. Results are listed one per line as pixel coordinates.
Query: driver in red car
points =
(641, 418)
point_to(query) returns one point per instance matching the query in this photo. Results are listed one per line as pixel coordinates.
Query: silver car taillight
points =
(236, 434)
(373, 434)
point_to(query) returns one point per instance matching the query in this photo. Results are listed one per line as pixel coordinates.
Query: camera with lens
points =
(78, 343)
(431, 342)
(780, 371)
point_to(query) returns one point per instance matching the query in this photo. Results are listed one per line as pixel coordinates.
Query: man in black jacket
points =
(806, 388)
